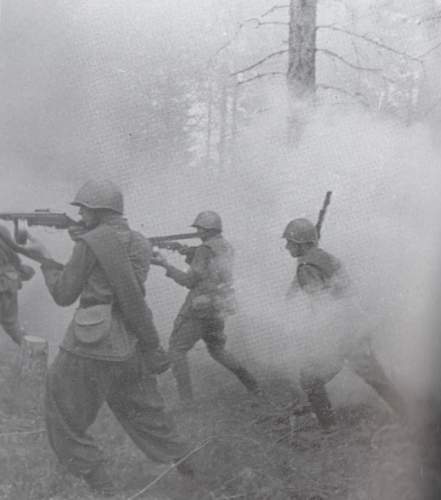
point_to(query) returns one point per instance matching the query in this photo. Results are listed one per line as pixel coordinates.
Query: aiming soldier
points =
(111, 351)
(209, 302)
(318, 272)
(12, 273)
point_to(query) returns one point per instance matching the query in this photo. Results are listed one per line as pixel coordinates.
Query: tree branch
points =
(261, 61)
(348, 63)
(261, 75)
(265, 23)
(368, 40)
(226, 44)
(424, 54)
(273, 9)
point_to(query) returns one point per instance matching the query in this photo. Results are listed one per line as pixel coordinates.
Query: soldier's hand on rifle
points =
(76, 231)
(36, 249)
(158, 259)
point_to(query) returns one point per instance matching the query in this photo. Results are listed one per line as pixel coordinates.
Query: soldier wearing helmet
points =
(209, 302)
(110, 352)
(318, 272)
(12, 274)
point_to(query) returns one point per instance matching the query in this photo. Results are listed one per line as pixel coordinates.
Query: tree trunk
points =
(302, 47)
(223, 111)
(32, 368)
(233, 148)
(209, 125)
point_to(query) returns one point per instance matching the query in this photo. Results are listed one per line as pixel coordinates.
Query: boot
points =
(248, 381)
(320, 404)
(228, 361)
(100, 482)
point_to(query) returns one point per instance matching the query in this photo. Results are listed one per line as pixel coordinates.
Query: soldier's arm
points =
(66, 282)
(293, 290)
(196, 272)
(310, 278)
(140, 257)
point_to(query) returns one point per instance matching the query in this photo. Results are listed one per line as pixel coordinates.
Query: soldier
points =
(111, 351)
(208, 303)
(12, 273)
(319, 272)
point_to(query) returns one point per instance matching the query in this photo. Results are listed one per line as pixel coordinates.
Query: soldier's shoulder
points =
(321, 258)
(142, 241)
(218, 243)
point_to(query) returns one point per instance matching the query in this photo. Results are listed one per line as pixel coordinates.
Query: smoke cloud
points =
(382, 223)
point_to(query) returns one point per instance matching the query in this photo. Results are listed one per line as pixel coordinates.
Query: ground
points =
(246, 449)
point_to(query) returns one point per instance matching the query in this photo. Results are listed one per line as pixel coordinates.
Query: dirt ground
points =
(246, 449)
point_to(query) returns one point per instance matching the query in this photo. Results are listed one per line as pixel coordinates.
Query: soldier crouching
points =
(318, 272)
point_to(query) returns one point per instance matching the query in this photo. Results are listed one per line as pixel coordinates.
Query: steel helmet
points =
(301, 231)
(208, 220)
(100, 194)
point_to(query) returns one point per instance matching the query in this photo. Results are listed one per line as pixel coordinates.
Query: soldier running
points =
(12, 273)
(111, 351)
(319, 272)
(208, 303)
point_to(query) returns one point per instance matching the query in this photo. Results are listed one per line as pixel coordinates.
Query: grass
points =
(252, 451)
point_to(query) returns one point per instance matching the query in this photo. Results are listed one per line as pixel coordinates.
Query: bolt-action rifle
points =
(322, 213)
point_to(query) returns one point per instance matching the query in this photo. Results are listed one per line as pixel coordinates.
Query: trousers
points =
(187, 331)
(361, 360)
(76, 389)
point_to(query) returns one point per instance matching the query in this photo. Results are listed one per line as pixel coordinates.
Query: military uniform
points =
(102, 358)
(319, 272)
(12, 274)
(202, 316)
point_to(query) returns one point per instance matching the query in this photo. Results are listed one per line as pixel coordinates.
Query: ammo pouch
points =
(220, 302)
(92, 325)
(99, 332)
(224, 301)
(202, 305)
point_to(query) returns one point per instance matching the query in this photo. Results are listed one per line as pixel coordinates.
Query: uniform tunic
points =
(80, 381)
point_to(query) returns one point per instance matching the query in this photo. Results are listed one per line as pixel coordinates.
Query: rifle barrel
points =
(173, 237)
(322, 213)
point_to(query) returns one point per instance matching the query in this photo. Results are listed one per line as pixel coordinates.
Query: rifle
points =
(40, 217)
(162, 241)
(322, 213)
